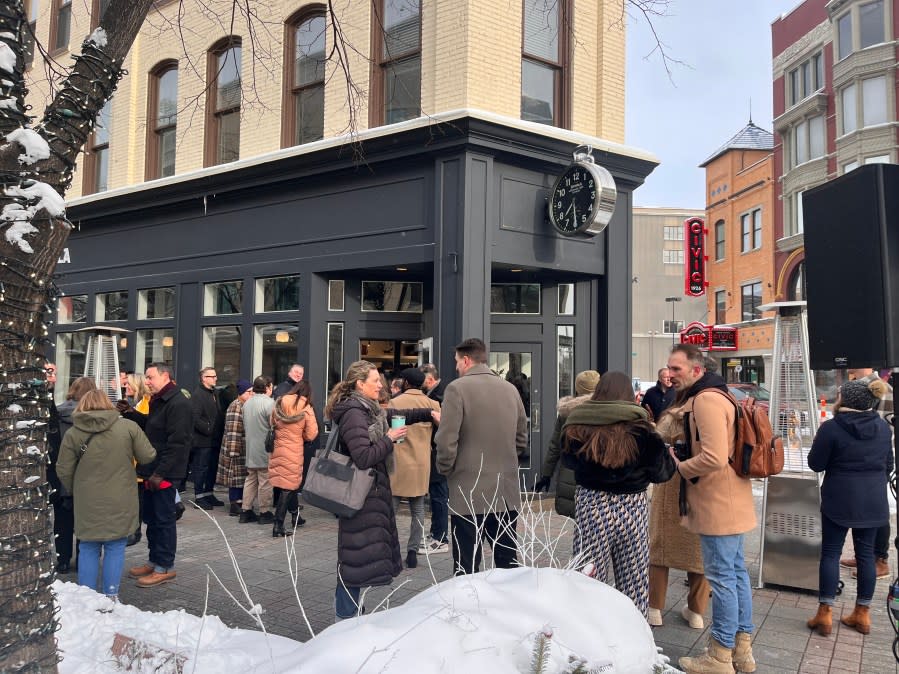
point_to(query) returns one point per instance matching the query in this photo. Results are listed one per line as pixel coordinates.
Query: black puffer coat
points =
(368, 545)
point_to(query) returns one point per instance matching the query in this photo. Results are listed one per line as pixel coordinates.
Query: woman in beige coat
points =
(671, 546)
(294, 422)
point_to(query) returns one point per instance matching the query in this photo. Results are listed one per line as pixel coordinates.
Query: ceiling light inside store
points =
(168, 341)
(282, 337)
(123, 342)
(402, 269)
(516, 270)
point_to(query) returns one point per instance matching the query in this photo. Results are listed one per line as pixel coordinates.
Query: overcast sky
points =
(726, 49)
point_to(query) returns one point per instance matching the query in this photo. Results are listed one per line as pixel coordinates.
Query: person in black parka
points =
(368, 546)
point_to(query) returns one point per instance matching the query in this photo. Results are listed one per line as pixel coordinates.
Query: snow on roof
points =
(597, 143)
(750, 137)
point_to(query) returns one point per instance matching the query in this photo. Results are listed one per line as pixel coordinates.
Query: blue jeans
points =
(346, 601)
(833, 536)
(438, 491)
(113, 563)
(725, 569)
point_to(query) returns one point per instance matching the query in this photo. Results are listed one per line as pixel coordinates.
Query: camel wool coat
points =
(412, 468)
(720, 503)
(483, 431)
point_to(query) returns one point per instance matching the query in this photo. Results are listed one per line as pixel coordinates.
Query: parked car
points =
(743, 391)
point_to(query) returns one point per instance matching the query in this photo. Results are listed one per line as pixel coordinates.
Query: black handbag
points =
(270, 440)
(334, 483)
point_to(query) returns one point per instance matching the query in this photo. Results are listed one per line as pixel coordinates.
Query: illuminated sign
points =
(709, 337)
(695, 259)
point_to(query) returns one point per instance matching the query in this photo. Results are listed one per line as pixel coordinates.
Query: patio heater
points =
(791, 516)
(101, 360)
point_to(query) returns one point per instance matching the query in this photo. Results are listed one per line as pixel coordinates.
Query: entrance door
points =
(520, 365)
(390, 356)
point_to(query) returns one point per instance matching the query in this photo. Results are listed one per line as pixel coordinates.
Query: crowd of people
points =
(456, 447)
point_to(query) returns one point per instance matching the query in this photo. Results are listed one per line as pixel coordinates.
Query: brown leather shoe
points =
(860, 619)
(849, 562)
(881, 569)
(141, 571)
(822, 622)
(156, 578)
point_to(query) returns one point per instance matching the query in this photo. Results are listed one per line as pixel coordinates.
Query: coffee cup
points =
(397, 421)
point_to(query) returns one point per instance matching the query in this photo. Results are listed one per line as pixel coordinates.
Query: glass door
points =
(521, 366)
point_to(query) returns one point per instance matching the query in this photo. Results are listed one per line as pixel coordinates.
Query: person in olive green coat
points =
(96, 466)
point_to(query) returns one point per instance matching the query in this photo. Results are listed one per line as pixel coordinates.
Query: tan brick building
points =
(740, 248)
(456, 54)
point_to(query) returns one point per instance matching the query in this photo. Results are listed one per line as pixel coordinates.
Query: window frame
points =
(290, 89)
(720, 307)
(673, 256)
(751, 230)
(213, 114)
(97, 11)
(858, 104)
(753, 306)
(720, 242)
(561, 68)
(854, 32)
(797, 78)
(56, 11)
(377, 112)
(152, 169)
(95, 153)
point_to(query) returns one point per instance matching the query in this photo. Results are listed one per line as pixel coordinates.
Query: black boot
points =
(280, 514)
(411, 559)
(278, 530)
(234, 510)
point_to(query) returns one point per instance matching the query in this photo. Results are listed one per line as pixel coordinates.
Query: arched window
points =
(796, 284)
(162, 116)
(223, 103)
(544, 61)
(304, 104)
(396, 85)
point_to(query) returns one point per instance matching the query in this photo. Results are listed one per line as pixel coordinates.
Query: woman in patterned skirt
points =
(615, 454)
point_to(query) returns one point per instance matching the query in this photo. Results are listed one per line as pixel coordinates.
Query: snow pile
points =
(36, 148)
(496, 621)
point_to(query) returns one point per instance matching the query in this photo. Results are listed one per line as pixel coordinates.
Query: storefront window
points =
(281, 293)
(274, 350)
(223, 299)
(392, 296)
(565, 359)
(112, 306)
(154, 346)
(566, 299)
(334, 364)
(70, 351)
(72, 309)
(156, 303)
(335, 295)
(515, 298)
(221, 350)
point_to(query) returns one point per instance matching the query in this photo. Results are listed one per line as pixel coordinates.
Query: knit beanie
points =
(857, 396)
(585, 383)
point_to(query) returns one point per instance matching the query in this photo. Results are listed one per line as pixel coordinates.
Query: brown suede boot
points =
(717, 659)
(860, 619)
(823, 620)
(742, 653)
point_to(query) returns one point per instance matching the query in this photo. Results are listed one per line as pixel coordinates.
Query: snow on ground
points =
(487, 622)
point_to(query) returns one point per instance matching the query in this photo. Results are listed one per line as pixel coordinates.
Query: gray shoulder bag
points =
(334, 483)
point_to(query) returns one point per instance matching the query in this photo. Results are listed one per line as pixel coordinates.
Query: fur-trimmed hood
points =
(568, 403)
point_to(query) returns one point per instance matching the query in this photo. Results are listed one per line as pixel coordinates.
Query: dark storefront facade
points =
(392, 250)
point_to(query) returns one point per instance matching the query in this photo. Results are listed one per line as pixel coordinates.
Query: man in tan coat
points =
(483, 431)
(719, 508)
(412, 459)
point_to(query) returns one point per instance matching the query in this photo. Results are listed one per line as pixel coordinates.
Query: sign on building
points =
(695, 259)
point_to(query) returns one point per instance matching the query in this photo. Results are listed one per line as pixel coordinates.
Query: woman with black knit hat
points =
(854, 451)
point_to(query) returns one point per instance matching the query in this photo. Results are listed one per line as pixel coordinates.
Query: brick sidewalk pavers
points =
(782, 642)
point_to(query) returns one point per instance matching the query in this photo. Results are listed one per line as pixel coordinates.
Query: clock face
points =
(580, 195)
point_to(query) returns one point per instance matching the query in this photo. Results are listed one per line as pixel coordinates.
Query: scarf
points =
(377, 426)
(708, 380)
(605, 413)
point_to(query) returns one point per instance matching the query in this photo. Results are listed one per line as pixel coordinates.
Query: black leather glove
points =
(123, 406)
(542, 484)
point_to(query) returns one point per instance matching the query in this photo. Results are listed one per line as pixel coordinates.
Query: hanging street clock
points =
(583, 199)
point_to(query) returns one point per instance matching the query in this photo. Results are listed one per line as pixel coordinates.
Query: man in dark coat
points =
(660, 396)
(63, 514)
(209, 426)
(294, 377)
(168, 427)
(438, 492)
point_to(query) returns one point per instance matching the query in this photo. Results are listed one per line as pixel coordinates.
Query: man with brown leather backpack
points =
(720, 509)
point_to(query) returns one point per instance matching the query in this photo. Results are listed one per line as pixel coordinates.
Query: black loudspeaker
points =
(852, 269)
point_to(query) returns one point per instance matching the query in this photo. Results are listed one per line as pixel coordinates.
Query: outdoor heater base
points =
(792, 533)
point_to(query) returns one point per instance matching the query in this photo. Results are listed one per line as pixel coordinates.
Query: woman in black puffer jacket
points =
(368, 546)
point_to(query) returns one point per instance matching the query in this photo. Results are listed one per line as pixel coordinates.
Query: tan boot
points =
(742, 653)
(823, 620)
(717, 659)
(860, 619)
